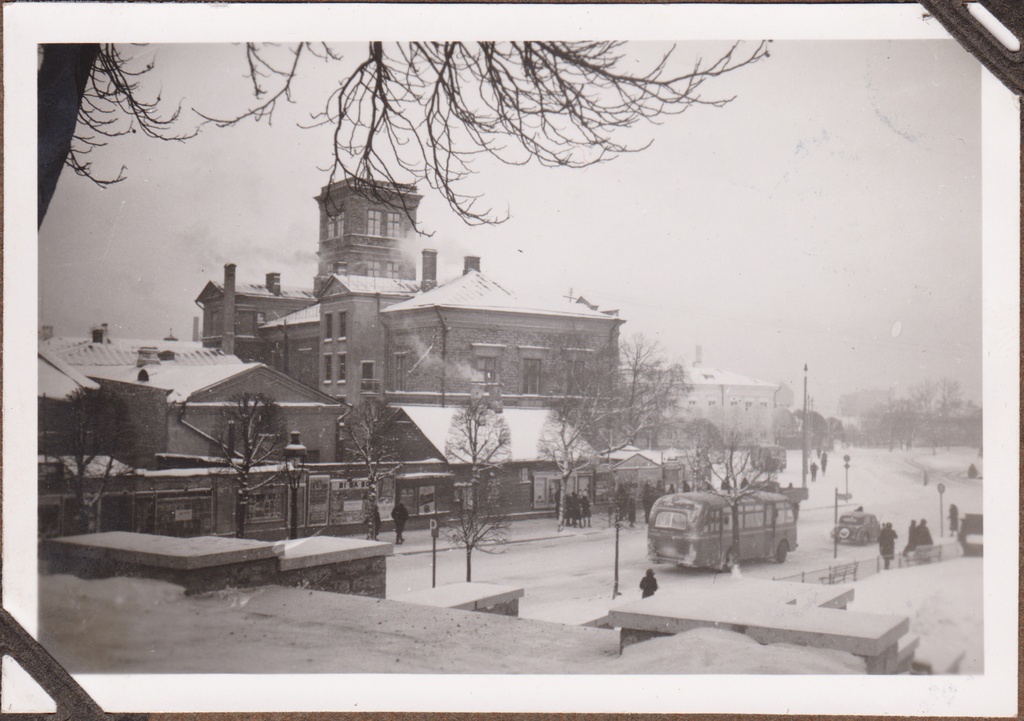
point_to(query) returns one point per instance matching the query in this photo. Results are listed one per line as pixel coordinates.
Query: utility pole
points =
(803, 427)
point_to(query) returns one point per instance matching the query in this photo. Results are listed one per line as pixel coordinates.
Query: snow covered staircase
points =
(482, 597)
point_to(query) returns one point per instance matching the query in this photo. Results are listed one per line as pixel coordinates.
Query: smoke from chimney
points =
(429, 269)
(472, 262)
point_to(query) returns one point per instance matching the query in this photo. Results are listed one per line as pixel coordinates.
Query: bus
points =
(695, 529)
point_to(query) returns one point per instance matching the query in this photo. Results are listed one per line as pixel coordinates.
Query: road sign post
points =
(942, 489)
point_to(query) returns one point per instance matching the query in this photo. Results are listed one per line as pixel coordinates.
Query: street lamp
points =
(294, 460)
(846, 465)
(803, 429)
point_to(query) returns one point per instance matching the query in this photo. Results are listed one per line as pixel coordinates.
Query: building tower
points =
(362, 233)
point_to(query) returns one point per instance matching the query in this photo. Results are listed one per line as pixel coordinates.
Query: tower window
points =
(342, 325)
(336, 225)
(400, 372)
(374, 269)
(341, 375)
(374, 218)
(394, 224)
(391, 269)
(328, 374)
(328, 331)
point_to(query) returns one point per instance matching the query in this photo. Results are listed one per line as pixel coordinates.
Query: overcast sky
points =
(830, 215)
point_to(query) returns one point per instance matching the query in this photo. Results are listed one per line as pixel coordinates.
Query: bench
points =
(841, 573)
(924, 554)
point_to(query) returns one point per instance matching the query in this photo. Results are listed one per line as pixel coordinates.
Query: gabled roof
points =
(624, 454)
(57, 379)
(477, 291)
(525, 425)
(215, 288)
(309, 314)
(345, 283)
(180, 382)
(125, 352)
(705, 376)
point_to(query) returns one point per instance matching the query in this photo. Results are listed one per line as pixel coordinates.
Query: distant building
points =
(730, 401)
(855, 407)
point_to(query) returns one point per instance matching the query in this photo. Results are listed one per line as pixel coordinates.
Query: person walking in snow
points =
(572, 510)
(911, 539)
(631, 510)
(648, 584)
(954, 519)
(814, 472)
(924, 536)
(887, 544)
(399, 514)
(649, 497)
(824, 462)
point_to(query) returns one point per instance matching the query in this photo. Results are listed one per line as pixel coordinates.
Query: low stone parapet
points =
(210, 563)
(482, 597)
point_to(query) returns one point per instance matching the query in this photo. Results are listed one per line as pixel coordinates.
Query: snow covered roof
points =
(376, 284)
(261, 290)
(309, 314)
(125, 351)
(180, 381)
(97, 468)
(704, 376)
(525, 425)
(627, 452)
(57, 379)
(475, 290)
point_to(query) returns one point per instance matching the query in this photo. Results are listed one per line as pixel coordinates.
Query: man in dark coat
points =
(911, 539)
(814, 472)
(824, 461)
(924, 536)
(572, 509)
(649, 497)
(887, 544)
(954, 519)
(648, 584)
(631, 510)
(399, 514)
(585, 510)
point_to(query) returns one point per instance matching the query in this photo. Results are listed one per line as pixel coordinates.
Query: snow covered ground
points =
(148, 626)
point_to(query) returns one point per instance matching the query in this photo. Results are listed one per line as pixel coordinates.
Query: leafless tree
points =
(646, 391)
(949, 403)
(250, 440)
(97, 431)
(480, 438)
(365, 435)
(401, 112)
(725, 467)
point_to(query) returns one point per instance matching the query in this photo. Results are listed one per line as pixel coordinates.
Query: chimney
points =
(227, 342)
(472, 263)
(170, 335)
(697, 357)
(99, 333)
(429, 270)
(274, 283)
(147, 356)
(46, 332)
(195, 329)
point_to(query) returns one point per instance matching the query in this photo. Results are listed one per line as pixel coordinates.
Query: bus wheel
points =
(781, 552)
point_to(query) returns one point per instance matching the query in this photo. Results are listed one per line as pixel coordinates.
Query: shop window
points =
(266, 505)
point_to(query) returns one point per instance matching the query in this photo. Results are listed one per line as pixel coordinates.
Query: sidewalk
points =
(534, 529)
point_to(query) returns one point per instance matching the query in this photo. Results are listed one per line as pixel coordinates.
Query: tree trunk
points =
(61, 81)
(241, 508)
(469, 564)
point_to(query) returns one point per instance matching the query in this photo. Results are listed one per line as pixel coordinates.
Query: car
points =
(857, 527)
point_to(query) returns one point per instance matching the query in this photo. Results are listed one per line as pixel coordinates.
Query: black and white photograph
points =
(469, 358)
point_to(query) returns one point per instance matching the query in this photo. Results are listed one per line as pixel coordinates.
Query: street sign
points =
(942, 488)
(433, 528)
(844, 496)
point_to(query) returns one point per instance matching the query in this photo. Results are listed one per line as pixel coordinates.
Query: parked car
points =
(857, 527)
(970, 535)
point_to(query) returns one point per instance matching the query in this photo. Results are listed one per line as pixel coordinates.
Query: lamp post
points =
(803, 427)
(294, 460)
(846, 465)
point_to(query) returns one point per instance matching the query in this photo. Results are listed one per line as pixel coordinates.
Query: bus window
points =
(678, 520)
(714, 522)
(752, 517)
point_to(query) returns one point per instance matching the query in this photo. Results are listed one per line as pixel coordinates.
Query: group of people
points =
(823, 457)
(917, 535)
(399, 514)
(577, 510)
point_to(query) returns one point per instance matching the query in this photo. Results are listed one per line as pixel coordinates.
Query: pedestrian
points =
(887, 544)
(911, 539)
(372, 521)
(558, 506)
(924, 536)
(648, 584)
(631, 510)
(572, 509)
(824, 462)
(399, 514)
(814, 472)
(585, 509)
(954, 519)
